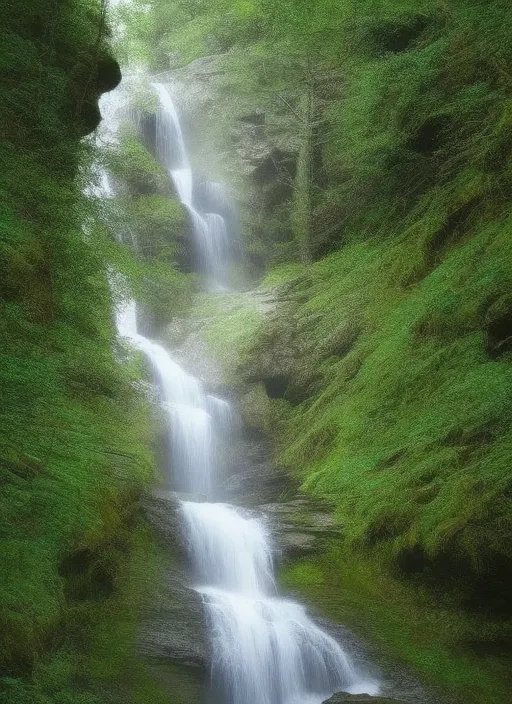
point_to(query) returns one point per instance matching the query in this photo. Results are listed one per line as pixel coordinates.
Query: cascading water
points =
(190, 423)
(210, 226)
(265, 649)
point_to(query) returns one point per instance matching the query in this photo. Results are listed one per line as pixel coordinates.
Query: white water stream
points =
(266, 650)
(210, 227)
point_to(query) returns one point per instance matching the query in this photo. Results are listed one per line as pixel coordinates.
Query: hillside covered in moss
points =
(75, 429)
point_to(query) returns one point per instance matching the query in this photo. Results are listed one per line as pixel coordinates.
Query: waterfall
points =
(266, 650)
(211, 226)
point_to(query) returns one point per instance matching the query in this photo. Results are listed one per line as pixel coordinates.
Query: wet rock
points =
(173, 625)
(257, 117)
(300, 526)
(108, 74)
(253, 479)
(345, 698)
(283, 353)
(161, 508)
(83, 104)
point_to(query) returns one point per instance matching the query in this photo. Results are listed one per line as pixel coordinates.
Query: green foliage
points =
(425, 96)
(75, 426)
(159, 224)
(417, 402)
(230, 323)
(165, 34)
(413, 399)
(151, 224)
(132, 166)
(110, 669)
(407, 429)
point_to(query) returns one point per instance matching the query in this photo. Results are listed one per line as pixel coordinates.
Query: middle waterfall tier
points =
(190, 413)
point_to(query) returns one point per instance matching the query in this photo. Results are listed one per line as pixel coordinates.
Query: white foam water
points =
(228, 550)
(190, 423)
(266, 650)
(211, 232)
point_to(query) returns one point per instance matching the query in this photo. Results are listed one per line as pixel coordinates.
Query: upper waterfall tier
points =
(210, 218)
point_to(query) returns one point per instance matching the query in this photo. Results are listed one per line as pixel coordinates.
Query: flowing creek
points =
(266, 650)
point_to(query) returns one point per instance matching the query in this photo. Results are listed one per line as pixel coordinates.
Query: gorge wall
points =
(74, 430)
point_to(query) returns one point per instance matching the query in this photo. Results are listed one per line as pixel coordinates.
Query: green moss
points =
(75, 427)
(416, 402)
(95, 657)
(230, 323)
(408, 433)
(149, 219)
(282, 274)
(132, 164)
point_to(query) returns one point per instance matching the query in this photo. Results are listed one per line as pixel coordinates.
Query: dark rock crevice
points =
(498, 326)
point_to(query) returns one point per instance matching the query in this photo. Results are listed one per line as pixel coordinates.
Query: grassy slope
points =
(414, 398)
(405, 335)
(407, 431)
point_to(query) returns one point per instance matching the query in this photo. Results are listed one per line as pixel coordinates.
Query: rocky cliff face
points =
(344, 698)
(173, 627)
(172, 636)
(69, 521)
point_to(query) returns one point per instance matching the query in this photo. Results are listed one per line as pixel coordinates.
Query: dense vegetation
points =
(148, 219)
(391, 351)
(74, 427)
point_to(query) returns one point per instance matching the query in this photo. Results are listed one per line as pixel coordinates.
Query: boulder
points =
(173, 627)
(300, 525)
(345, 698)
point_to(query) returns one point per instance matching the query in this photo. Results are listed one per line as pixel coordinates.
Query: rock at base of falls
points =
(173, 627)
(345, 698)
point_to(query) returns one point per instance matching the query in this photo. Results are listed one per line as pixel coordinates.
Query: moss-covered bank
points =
(74, 425)
(418, 594)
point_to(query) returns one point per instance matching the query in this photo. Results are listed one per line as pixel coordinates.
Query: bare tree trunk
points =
(302, 216)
